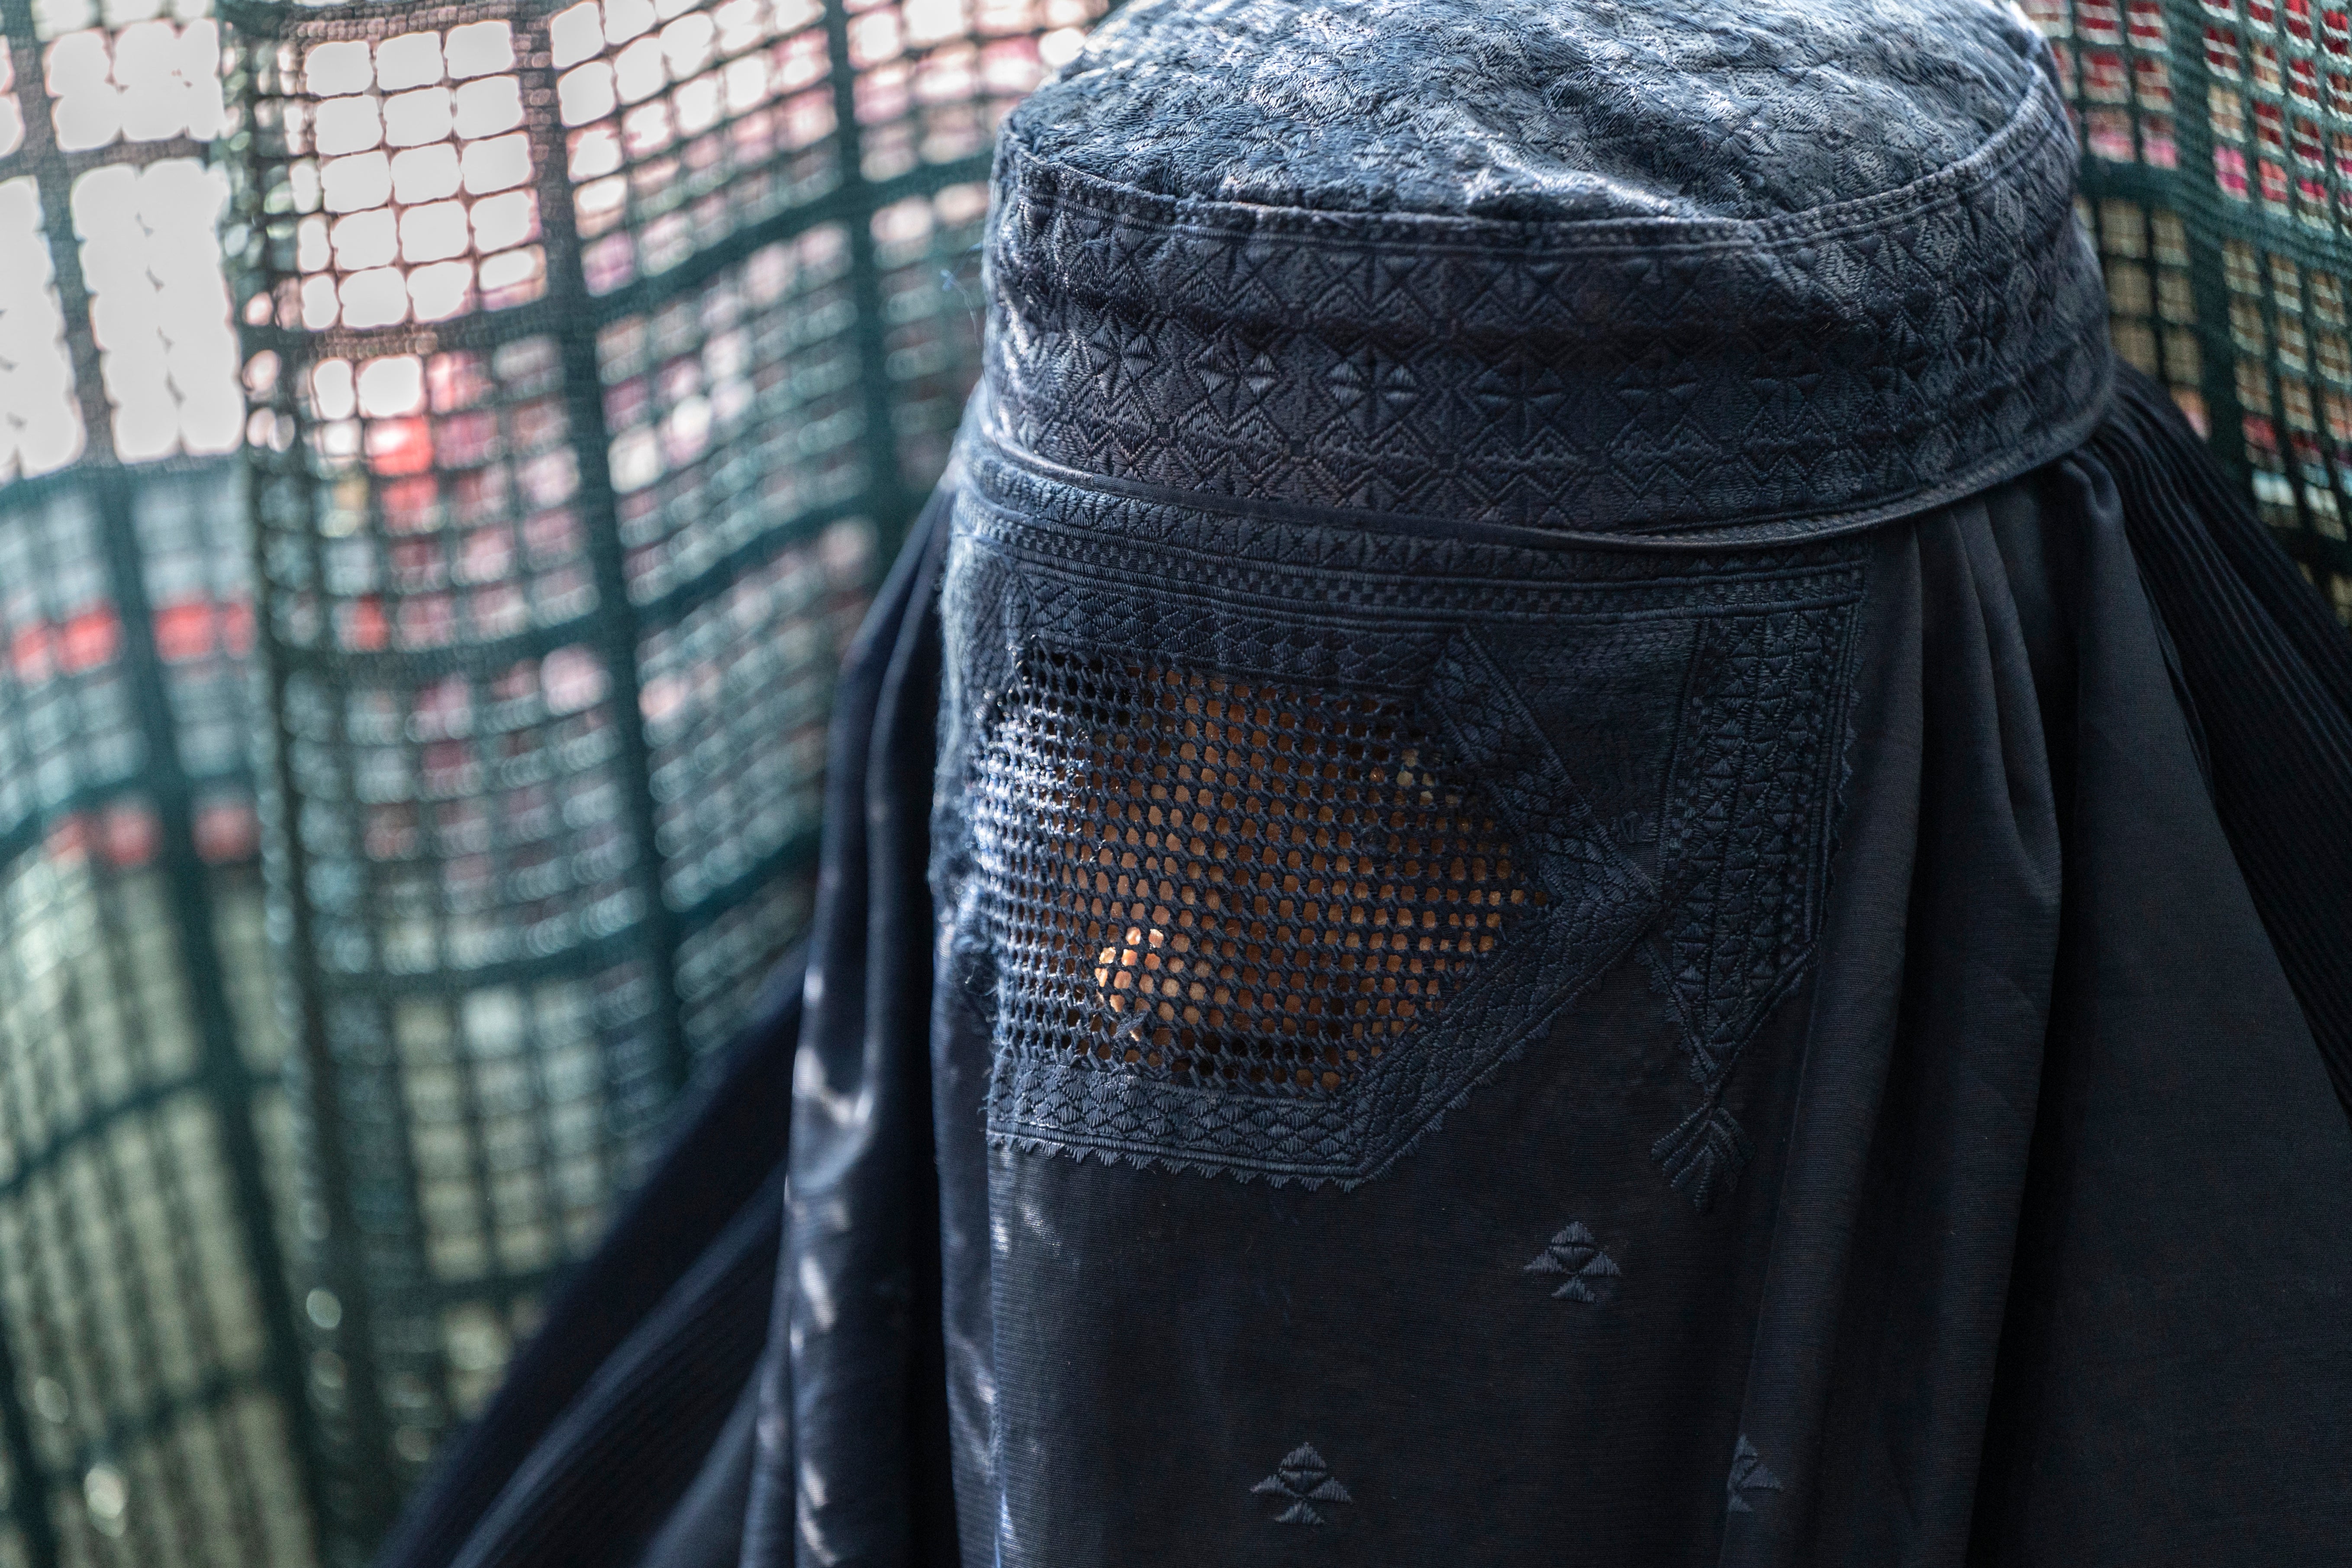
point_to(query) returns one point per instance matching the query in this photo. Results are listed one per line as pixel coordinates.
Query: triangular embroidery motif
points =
(1588, 1273)
(1306, 1480)
(1747, 1475)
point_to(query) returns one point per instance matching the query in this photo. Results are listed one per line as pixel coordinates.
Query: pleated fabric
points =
(2262, 669)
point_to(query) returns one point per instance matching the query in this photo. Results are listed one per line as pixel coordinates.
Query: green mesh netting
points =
(593, 360)
(2217, 178)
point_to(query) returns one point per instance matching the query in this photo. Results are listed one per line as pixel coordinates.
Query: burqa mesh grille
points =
(1256, 886)
(593, 359)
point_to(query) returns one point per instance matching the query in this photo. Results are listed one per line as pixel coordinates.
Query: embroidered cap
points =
(1731, 271)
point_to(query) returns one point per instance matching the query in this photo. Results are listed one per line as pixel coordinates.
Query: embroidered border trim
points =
(1771, 379)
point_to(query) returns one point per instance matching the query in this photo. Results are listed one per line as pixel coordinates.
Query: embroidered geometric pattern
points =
(1305, 1479)
(1747, 1475)
(1215, 101)
(1705, 1153)
(1213, 771)
(1237, 883)
(1542, 372)
(1752, 778)
(1587, 1273)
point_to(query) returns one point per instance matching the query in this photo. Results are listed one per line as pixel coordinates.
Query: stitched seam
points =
(1829, 583)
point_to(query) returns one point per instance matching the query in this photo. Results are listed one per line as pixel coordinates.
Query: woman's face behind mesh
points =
(1235, 883)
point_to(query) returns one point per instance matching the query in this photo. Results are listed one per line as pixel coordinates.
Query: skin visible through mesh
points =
(1229, 883)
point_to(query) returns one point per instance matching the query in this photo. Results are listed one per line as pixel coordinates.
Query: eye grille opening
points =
(1235, 883)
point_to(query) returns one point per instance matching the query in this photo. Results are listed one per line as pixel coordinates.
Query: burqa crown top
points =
(1726, 268)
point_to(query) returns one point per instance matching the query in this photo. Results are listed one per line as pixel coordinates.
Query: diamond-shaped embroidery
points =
(1585, 1272)
(1747, 1475)
(1739, 872)
(1980, 325)
(1305, 1479)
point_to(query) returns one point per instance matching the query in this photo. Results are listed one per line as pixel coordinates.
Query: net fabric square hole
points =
(1228, 882)
(401, 173)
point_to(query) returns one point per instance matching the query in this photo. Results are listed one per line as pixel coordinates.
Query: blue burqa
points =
(1571, 841)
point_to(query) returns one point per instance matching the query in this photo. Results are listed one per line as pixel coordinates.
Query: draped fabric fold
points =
(2266, 674)
(851, 1451)
(653, 1333)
